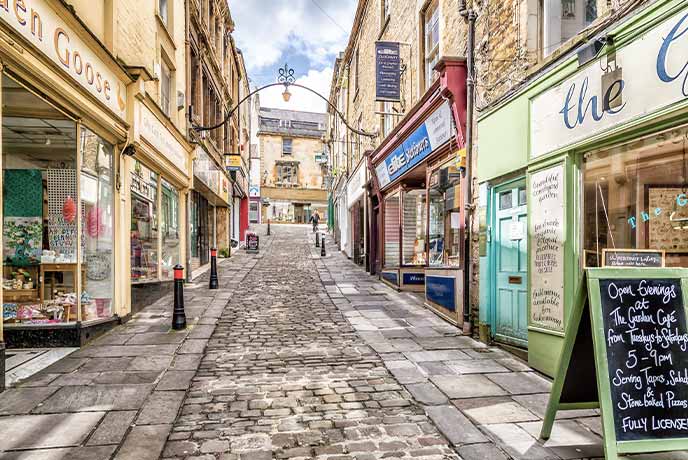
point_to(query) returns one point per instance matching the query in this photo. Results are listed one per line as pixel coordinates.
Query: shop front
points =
(62, 133)
(210, 209)
(158, 183)
(341, 216)
(607, 170)
(419, 190)
(356, 204)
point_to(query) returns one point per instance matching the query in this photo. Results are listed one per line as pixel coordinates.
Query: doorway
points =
(510, 264)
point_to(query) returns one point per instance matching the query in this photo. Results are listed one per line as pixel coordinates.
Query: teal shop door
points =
(510, 281)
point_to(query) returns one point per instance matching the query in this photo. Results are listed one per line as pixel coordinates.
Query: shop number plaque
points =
(631, 323)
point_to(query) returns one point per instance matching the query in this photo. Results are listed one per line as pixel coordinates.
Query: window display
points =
(169, 224)
(391, 249)
(41, 211)
(413, 228)
(444, 200)
(144, 224)
(636, 198)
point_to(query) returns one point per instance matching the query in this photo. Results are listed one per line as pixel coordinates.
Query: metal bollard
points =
(268, 227)
(317, 239)
(178, 314)
(322, 247)
(2, 366)
(213, 269)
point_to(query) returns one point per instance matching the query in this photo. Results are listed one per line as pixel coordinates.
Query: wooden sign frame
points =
(587, 309)
(662, 252)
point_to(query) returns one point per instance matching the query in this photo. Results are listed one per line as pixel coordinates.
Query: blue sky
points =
(298, 32)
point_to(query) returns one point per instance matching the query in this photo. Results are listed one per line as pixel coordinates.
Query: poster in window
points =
(667, 229)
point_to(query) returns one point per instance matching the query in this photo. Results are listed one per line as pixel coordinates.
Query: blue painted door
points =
(510, 249)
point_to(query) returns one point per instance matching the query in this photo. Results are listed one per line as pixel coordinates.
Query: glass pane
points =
(413, 228)
(635, 198)
(505, 200)
(144, 225)
(436, 236)
(170, 227)
(522, 196)
(97, 201)
(392, 230)
(39, 210)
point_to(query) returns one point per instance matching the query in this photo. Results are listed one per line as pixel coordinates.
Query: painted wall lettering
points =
(675, 33)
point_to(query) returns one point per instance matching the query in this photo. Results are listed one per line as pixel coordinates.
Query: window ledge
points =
(165, 28)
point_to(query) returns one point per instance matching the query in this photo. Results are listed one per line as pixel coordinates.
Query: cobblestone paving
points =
(286, 376)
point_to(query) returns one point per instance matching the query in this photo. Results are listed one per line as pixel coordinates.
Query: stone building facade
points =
(291, 162)
(516, 41)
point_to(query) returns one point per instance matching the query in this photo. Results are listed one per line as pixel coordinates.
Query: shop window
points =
(165, 87)
(413, 228)
(163, 11)
(41, 211)
(391, 215)
(431, 31)
(562, 20)
(169, 228)
(635, 197)
(97, 202)
(444, 204)
(144, 224)
(286, 146)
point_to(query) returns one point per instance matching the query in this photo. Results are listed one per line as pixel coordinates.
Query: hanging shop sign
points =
(625, 352)
(356, 185)
(157, 135)
(387, 72)
(647, 75)
(233, 162)
(40, 25)
(435, 131)
(547, 248)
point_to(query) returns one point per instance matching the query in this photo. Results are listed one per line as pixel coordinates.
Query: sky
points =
(306, 34)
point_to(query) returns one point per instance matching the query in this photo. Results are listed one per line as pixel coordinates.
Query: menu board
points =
(639, 258)
(646, 341)
(546, 241)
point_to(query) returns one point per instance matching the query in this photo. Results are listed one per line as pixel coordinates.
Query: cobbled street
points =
(286, 376)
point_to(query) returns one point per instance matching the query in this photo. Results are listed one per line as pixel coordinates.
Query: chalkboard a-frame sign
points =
(625, 352)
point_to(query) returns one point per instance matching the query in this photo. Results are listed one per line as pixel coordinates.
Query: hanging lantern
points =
(69, 210)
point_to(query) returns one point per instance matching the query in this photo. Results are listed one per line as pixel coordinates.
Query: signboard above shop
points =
(233, 162)
(647, 75)
(387, 72)
(157, 135)
(43, 27)
(433, 133)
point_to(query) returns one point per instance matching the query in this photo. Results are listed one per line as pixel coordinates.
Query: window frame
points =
(430, 16)
(165, 103)
(164, 13)
(285, 141)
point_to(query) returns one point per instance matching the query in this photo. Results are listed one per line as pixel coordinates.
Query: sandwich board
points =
(626, 352)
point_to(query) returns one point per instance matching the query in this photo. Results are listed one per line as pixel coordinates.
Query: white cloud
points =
(265, 29)
(301, 99)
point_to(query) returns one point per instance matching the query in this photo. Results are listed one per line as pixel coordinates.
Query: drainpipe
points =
(470, 16)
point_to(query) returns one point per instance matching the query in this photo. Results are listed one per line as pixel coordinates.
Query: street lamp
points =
(285, 78)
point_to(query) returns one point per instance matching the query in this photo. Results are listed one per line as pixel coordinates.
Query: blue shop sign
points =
(434, 132)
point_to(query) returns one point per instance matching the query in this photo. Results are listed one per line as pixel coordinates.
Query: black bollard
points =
(178, 314)
(322, 247)
(2, 366)
(213, 269)
(317, 240)
(268, 227)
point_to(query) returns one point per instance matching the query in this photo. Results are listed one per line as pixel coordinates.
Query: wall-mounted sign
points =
(546, 245)
(160, 138)
(435, 131)
(254, 191)
(233, 162)
(41, 26)
(387, 72)
(633, 258)
(321, 158)
(654, 77)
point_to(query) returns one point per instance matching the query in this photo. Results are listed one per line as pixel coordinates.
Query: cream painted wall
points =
(303, 151)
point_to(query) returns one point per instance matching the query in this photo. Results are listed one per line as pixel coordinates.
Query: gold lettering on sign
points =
(20, 6)
(64, 58)
(89, 73)
(36, 24)
(78, 63)
(106, 89)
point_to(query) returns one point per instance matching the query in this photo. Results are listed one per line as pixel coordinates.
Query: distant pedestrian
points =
(315, 219)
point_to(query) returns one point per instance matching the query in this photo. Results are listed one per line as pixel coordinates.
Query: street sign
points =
(233, 162)
(625, 352)
(387, 72)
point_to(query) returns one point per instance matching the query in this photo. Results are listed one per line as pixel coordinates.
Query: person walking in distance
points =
(315, 219)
